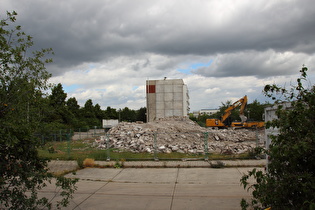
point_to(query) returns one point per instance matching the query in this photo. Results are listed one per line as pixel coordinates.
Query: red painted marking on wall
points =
(150, 88)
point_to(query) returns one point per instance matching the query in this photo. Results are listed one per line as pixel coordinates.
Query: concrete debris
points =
(178, 134)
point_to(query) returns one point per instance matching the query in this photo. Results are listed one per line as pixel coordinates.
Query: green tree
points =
(74, 112)
(111, 113)
(141, 114)
(89, 114)
(254, 111)
(58, 96)
(290, 180)
(73, 106)
(128, 115)
(201, 119)
(23, 77)
(58, 116)
(99, 113)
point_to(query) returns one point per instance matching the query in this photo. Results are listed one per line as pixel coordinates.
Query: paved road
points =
(156, 188)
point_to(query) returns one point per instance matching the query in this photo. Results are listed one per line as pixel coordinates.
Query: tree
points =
(142, 114)
(128, 115)
(22, 80)
(290, 180)
(99, 113)
(111, 113)
(58, 96)
(58, 115)
(89, 114)
(255, 111)
(74, 111)
(73, 106)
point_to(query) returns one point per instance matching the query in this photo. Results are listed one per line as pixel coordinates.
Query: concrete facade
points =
(270, 114)
(166, 98)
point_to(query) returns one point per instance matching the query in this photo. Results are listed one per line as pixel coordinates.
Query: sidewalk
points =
(156, 188)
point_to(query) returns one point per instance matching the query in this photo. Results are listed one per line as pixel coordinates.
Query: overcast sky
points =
(105, 50)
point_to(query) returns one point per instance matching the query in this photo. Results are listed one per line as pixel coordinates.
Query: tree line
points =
(60, 112)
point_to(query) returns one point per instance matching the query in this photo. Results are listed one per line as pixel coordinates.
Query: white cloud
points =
(107, 50)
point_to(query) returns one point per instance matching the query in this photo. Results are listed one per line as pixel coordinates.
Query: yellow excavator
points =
(225, 122)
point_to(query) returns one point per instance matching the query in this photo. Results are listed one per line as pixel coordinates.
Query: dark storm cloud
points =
(95, 31)
(259, 64)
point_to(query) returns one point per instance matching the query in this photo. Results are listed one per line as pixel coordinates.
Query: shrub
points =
(290, 180)
(88, 162)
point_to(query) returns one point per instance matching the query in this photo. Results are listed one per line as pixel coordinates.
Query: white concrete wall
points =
(170, 99)
(270, 114)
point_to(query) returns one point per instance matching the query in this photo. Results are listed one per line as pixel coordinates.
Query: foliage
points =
(201, 119)
(255, 110)
(290, 180)
(141, 114)
(23, 77)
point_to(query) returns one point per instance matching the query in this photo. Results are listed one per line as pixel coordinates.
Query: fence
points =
(99, 145)
(77, 134)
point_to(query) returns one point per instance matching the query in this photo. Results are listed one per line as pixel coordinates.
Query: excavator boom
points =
(241, 102)
(222, 123)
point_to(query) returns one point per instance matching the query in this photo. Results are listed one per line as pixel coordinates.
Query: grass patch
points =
(82, 149)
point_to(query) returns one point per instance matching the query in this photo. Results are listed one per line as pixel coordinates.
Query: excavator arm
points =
(242, 103)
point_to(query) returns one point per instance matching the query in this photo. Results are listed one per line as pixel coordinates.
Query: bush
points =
(88, 162)
(23, 81)
(290, 180)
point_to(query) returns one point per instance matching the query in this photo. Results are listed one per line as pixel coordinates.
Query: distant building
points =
(205, 112)
(208, 111)
(109, 123)
(166, 98)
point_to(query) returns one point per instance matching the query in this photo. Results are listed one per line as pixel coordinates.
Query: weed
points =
(80, 162)
(51, 149)
(117, 164)
(256, 153)
(88, 162)
(217, 164)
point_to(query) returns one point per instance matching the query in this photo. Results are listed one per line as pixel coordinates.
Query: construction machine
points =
(225, 121)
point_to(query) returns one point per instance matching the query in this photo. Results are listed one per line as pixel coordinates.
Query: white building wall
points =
(270, 114)
(166, 99)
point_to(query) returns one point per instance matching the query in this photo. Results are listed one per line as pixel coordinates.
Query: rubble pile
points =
(179, 134)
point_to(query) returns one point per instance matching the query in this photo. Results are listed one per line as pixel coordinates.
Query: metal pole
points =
(155, 148)
(107, 147)
(256, 132)
(206, 146)
(68, 139)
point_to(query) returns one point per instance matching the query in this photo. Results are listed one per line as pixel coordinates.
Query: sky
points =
(105, 50)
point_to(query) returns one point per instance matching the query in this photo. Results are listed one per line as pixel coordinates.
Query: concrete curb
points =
(61, 166)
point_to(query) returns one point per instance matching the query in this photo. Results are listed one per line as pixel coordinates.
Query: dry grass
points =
(89, 162)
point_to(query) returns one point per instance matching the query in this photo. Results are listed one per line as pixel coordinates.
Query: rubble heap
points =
(178, 134)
